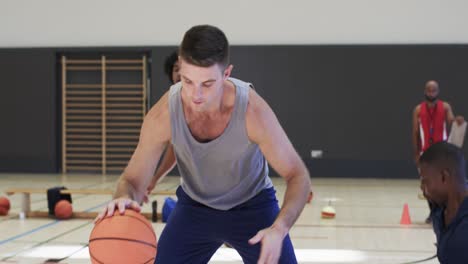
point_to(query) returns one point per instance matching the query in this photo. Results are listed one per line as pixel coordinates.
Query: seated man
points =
(443, 182)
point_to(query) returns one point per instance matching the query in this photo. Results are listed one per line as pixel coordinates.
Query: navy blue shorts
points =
(194, 231)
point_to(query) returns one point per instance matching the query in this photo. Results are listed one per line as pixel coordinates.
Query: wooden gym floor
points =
(366, 228)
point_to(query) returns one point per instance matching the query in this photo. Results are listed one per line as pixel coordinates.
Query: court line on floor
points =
(46, 241)
(396, 226)
(2, 242)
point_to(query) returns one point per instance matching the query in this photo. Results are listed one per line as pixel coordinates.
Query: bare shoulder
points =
(259, 117)
(256, 107)
(160, 109)
(447, 106)
(417, 109)
(157, 121)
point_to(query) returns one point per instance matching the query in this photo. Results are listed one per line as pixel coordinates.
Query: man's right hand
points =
(460, 120)
(151, 186)
(121, 204)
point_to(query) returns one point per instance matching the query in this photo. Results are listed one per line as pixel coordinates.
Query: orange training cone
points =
(405, 217)
(328, 212)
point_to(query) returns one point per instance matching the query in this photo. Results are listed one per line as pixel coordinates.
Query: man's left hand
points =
(272, 243)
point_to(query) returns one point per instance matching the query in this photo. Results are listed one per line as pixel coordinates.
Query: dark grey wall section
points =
(29, 133)
(352, 102)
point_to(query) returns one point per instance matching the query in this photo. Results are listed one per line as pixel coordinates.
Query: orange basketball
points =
(127, 238)
(4, 205)
(63, 209)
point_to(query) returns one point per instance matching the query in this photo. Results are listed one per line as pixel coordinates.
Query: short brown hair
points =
(204, 46)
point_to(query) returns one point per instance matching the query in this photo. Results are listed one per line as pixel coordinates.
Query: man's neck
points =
(454, 200)
(431, 104)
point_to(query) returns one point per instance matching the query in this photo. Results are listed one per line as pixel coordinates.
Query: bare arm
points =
(415, 134)
(154, 136)
(167, 164)
(264, 129)
(450, 117)
(132, 184)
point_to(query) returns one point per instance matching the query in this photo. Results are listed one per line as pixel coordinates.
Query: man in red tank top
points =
(431, 120)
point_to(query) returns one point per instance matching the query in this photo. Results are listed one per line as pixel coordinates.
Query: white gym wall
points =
(66, 23)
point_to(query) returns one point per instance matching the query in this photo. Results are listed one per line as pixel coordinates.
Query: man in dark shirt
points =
(443, 182)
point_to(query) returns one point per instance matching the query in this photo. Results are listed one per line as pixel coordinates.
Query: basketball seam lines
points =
(151, 260)
(146, 224)
(125, 239)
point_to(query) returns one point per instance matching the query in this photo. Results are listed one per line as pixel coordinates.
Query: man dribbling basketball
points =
(223, 133)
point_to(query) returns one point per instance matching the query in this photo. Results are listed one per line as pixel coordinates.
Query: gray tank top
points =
(226, 171)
